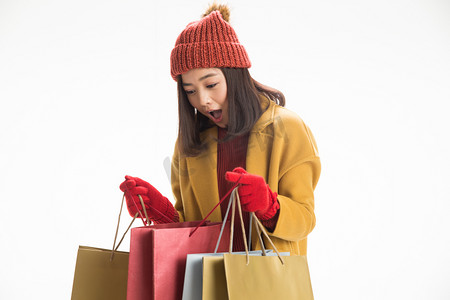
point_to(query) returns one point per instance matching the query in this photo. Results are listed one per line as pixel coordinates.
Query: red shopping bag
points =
(158, 257)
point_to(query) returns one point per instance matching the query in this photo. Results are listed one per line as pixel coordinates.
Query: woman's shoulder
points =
(286, 118)
(274, 114)
(292, 129)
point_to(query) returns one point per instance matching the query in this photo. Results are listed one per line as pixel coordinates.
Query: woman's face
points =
(206, 90)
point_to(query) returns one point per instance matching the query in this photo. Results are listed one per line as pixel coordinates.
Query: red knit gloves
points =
(158, 207)
(254, 193)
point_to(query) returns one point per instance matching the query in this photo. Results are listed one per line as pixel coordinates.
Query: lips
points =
(216, 115)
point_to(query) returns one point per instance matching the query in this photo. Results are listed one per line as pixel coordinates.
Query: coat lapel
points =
(202, 171)
(257, 148)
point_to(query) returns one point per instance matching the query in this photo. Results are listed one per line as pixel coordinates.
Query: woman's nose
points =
(205, 99)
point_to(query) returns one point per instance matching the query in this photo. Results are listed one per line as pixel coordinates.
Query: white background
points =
(86, 97)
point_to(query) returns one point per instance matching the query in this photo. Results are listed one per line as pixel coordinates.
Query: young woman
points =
(233, 129)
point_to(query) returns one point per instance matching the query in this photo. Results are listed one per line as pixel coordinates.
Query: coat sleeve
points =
(295, 150)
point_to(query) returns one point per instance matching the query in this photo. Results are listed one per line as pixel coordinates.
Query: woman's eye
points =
(211, 85)
(189, 92)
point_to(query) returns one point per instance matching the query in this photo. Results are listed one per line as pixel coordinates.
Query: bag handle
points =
(214, 208)
(238, 201)
(258, 232)
(261, 227)
(232, 198)
(114, 248)
(232, 205)
(147, 220)
(153, 208)
(249, 232)
(264, 231)
(223, 226)
(235, 198)
(147, 223)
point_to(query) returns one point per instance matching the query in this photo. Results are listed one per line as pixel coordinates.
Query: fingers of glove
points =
(240, 170)
(122, 186)
(244, 178)
(128, 177)
(236, 177)
(255, 180)
(140, 182)
(131, 210)
(253, 199)
(133, 195)
(245, 190)
(138, 190)
(133, 204)
(250, 207)
(127, 184)
(131, 199)
(131, 181)
(245, 202)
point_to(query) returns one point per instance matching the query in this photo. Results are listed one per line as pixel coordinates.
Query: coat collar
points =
(203, 168)
(268, 108)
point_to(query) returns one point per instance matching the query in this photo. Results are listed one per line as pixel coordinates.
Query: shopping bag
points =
(235, 276)
(158, 257)
(193, 277)
(101, 273)
(266, 277)
(214, 284)
(96, 277)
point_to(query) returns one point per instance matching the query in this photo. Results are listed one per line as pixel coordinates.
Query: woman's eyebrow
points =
(201, 78)
(207, 76)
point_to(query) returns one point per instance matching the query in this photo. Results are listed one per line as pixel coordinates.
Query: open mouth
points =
(216, 115)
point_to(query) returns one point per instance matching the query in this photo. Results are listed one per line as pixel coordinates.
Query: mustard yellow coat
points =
(282, 149)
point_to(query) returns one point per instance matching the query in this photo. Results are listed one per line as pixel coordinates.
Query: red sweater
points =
(232, 154)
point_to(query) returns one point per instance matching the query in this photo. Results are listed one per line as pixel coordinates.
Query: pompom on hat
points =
(210, 42)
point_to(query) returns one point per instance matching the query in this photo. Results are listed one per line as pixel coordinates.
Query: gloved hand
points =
(254, 193)
(155, 203)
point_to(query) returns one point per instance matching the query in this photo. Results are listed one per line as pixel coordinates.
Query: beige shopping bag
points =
(101, 274)
(97, 277)
(256, 277)
(266, 277)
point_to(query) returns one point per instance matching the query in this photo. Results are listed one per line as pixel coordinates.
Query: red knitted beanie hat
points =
(208, 43)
